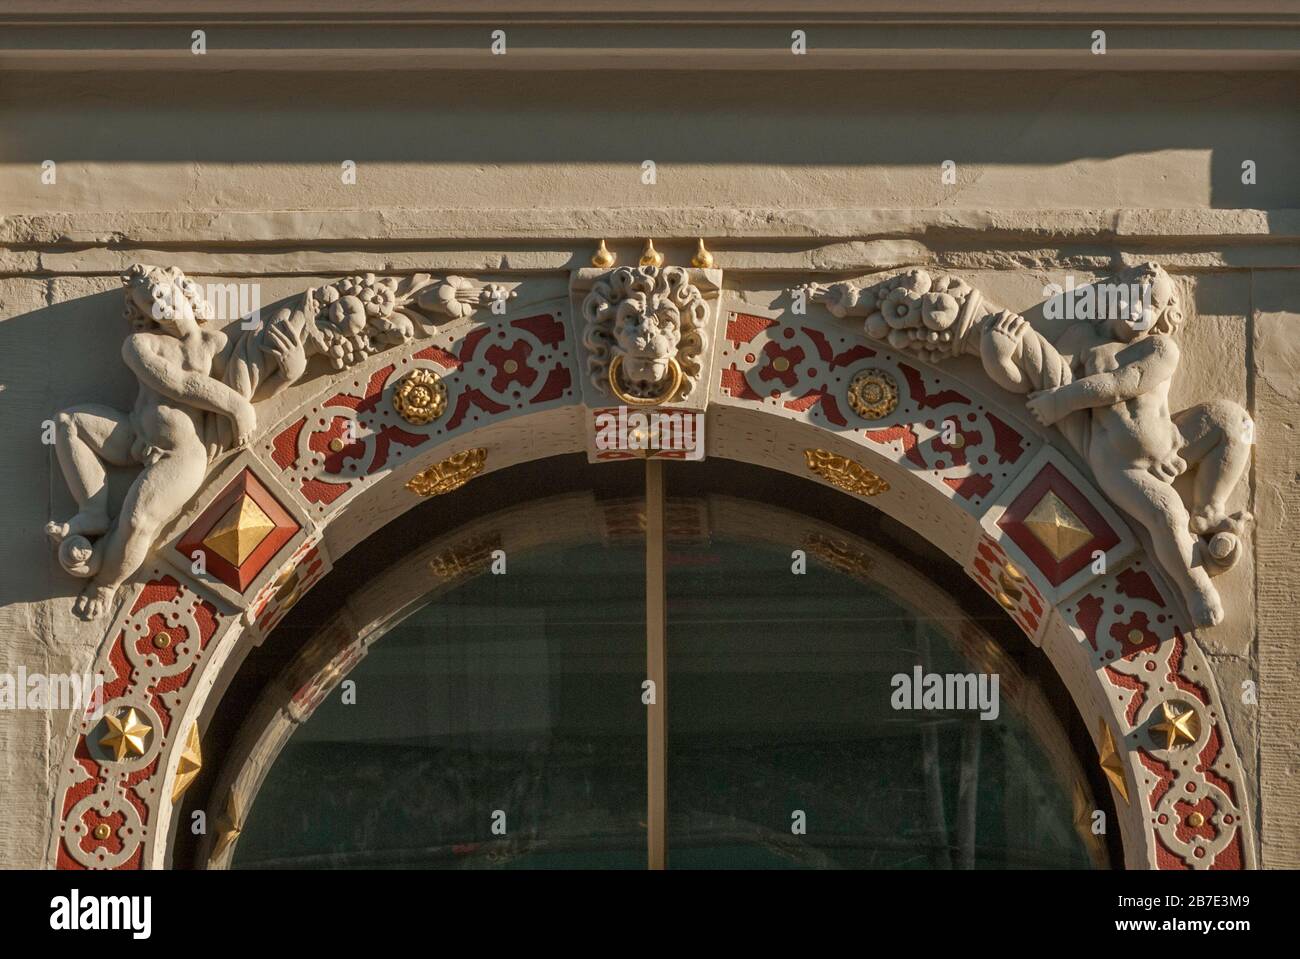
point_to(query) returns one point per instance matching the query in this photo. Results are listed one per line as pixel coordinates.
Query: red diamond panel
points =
(1050, 479)
(238, 577)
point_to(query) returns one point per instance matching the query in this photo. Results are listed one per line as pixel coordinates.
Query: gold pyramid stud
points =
(1111, 762)
(1056, 527)
(239, 532)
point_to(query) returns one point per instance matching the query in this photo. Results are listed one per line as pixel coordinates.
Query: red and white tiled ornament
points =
(494, 369)
(1147, 659)
(162, 640)
(801, 367)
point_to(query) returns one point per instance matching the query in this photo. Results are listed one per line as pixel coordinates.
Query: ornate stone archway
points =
(435, 381)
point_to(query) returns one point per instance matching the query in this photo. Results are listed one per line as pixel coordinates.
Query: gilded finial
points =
(603, 259)
(703, 259)
(650, 256)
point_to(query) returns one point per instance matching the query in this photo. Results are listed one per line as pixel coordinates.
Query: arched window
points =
(478, 697)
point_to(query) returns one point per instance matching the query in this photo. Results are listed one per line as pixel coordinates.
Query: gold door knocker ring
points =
(675, 383)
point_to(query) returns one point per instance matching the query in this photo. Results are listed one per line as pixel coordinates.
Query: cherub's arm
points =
(1146, 364)
(186, 386)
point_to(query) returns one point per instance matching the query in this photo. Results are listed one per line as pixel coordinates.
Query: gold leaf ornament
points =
(844, 473)
(450, 474)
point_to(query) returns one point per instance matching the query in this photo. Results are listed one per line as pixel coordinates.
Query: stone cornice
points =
(726, 34)
(238, 243)
(441, 224)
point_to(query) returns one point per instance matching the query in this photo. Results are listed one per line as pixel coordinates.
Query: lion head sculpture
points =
(643, 325)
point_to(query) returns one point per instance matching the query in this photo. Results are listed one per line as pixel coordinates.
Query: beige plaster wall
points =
(149, 165)
(215, 140)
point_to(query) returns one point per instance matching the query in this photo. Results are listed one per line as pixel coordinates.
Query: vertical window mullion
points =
(656, 668)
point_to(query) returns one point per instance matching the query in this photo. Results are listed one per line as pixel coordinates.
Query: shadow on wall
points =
(53, 358)
(868, 139)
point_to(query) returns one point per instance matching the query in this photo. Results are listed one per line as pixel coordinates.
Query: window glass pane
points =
(521, 694)
(780, 703)
(516, 692)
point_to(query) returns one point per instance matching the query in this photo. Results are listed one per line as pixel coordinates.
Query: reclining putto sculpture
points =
(1104, 384)
(197, 387)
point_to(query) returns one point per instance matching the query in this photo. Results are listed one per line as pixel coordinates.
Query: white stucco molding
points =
(453, 226)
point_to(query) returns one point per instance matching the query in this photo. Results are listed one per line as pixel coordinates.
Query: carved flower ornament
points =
(873, 394)
(421, 397)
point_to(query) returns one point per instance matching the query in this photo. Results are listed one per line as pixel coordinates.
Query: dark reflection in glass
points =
(518, 693)
(522, 693)
(779, 701)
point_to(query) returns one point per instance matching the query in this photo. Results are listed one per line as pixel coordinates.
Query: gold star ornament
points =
(1111, 762)
(189, 765)
(1181, 725)
(126, 735)
(230, 825)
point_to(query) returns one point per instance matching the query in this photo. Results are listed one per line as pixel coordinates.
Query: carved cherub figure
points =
(1105, 385)
(1123, 366)
(197, 387)
(178, 360)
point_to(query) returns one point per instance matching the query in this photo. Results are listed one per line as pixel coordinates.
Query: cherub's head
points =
(1155, 305)
(165, 299)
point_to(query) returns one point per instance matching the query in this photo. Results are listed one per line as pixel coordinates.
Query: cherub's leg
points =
(85, 437)
(1218, 437)
(1158, 507)
(156, 496)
